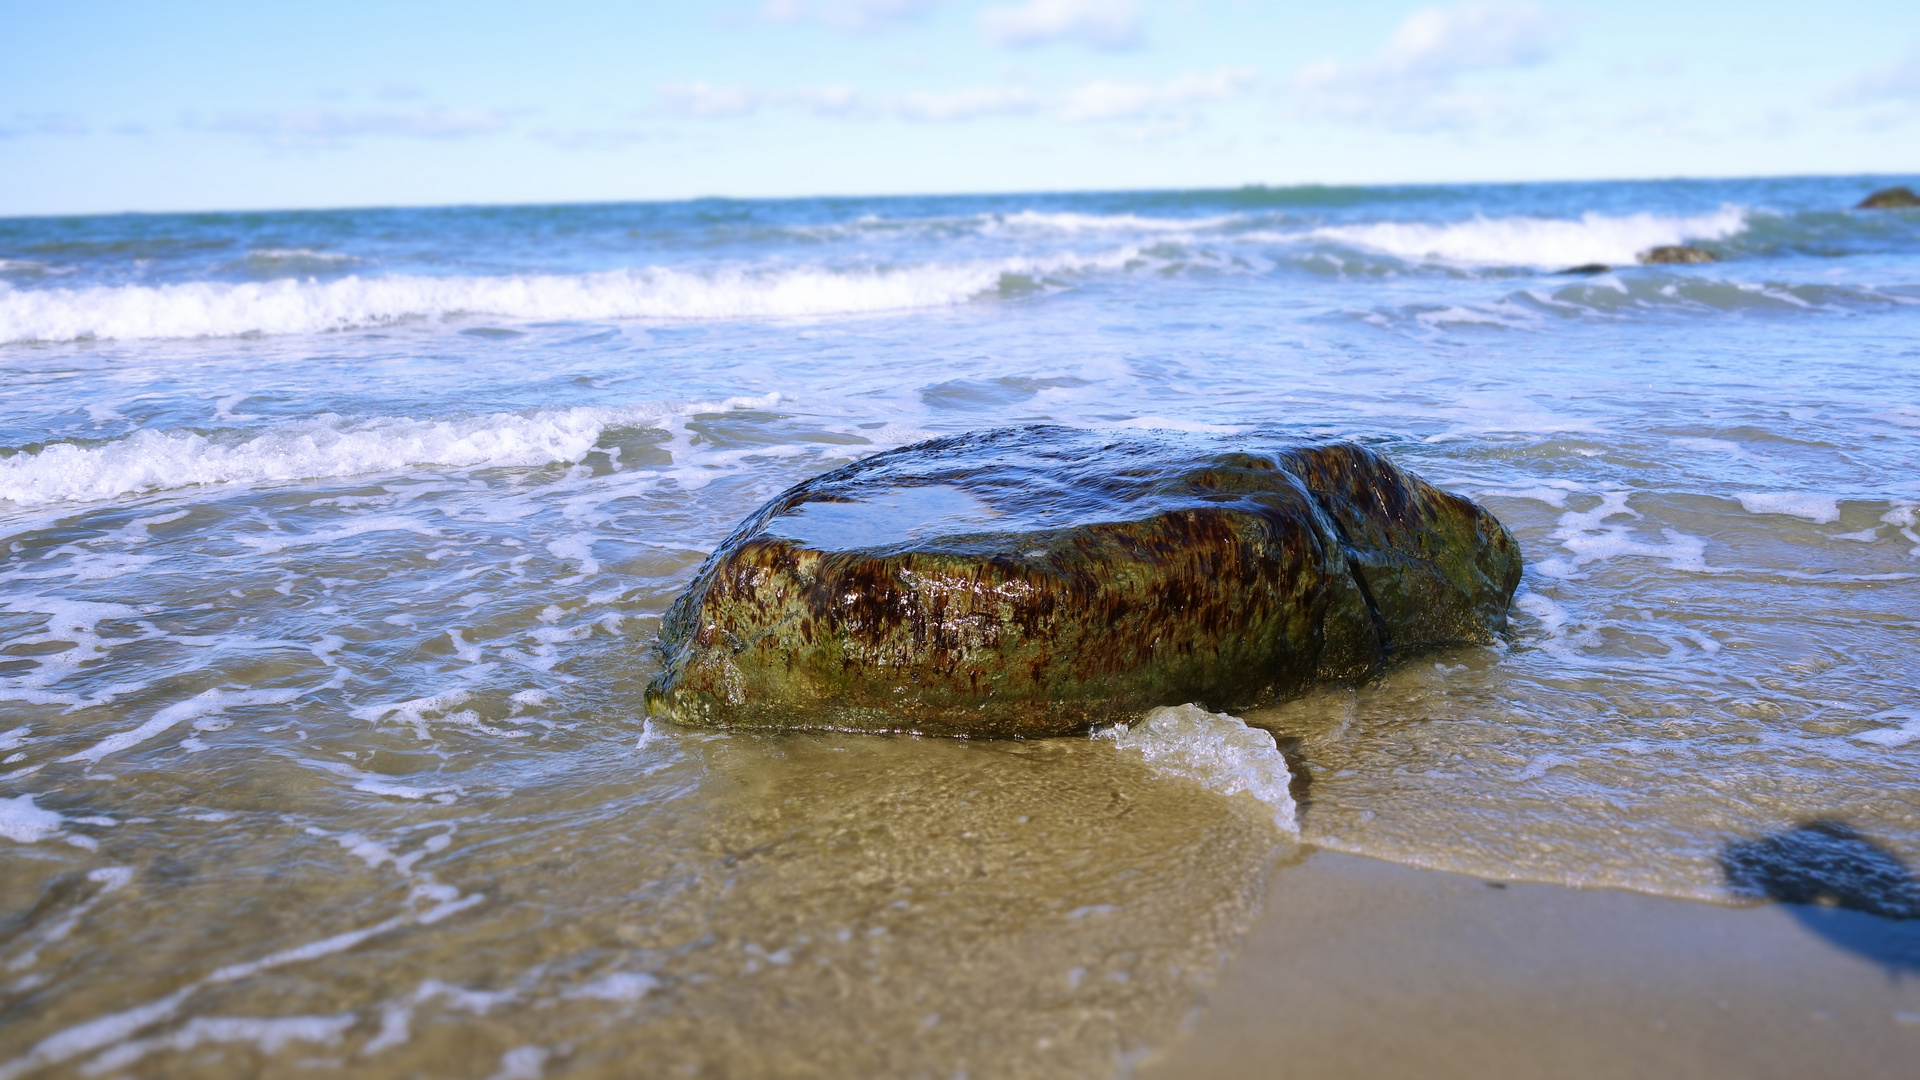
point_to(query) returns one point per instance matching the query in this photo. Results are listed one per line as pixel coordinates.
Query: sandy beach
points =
(338, 545)
(1361, 968)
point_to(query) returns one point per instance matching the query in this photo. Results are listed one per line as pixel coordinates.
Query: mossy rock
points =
(1676, 254)
(1893, 198)
(1034, 581)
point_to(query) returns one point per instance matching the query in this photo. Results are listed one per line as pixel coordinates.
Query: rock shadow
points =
(1839, 883)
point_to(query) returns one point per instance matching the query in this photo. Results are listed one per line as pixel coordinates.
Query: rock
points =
(1676, 253)
(1034, 581)
(1893, 198)
(1588, 269)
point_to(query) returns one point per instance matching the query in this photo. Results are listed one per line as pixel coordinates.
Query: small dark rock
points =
(1588, 269)
(1677, 253)
(1035, 581)
(1893, 198)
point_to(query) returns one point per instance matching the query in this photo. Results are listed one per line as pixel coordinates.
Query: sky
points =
(199, 105)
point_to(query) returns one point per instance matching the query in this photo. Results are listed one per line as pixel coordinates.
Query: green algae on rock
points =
(1034, 581)
(1676, 255)
(1893, 198)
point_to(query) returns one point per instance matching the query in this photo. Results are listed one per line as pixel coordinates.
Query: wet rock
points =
(1034, 581)
(1893, 198)
(1676, 253)
(1588, 269)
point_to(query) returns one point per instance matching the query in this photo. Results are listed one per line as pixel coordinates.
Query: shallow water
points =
(335, 543)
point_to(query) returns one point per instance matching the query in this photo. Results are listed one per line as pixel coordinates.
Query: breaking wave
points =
(1214, 750)
(1536, 241)
(325, 446)
(224, 309)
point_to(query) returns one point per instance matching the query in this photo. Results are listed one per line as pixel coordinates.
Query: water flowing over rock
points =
(1034, 581)
(1676, 254)
(1893, 198)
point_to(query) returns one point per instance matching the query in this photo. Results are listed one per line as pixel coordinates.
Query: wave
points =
(1071, 222)
(1214, 750)
(222, 309)
(1652, 292)
(309, 254)
(326, 446)
(1536, 241)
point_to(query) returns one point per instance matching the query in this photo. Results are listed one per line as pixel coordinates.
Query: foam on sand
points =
(206, 703)
(1217, 751)
(1819, 509)
(24, 823)
(305, 306)
(1908, 731)
(266, 1034)
(1537, 241)
(428, 903)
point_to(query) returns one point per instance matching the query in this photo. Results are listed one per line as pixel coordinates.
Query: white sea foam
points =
(1536, 241)
(1552, 617)
(1590, 537)
(1908, 731)
(206, 703)
(522, 1063)
(428, 903)
(326, 446)
(618, 986)
(439, 708)
(1551, 492)
(1218, 751)
(1162, 423)
(108, 878)
(24, 823)
(73, 621)
(267, 1034)
(1819, 509)
(222, 309)
(273, 255)
(1070, 222)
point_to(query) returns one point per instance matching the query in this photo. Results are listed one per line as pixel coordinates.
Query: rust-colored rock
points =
(1676, 254)
(1034, 581)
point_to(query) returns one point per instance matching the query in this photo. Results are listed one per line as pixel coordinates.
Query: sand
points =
(1361, 968)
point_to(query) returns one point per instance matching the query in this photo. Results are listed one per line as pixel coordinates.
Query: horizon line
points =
(990, 193)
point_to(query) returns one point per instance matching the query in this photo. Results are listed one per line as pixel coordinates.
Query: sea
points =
(334, 544)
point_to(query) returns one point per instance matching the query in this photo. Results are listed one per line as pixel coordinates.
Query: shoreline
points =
(1362, 968)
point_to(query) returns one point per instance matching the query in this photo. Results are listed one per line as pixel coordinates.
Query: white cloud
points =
(706, 101)
(1897, 81)
(1099, 24)
(831, 100)
(1468, 37)
(329, 127)
(607, 137)
(846, 16)
(42, 124)
(968, 104)
(1411, 84)
(1171, 105)
(1107, 100)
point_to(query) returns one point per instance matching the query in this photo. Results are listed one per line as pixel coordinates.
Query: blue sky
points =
(108, 106)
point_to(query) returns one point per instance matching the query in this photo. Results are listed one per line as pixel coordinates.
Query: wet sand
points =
(1361, 968)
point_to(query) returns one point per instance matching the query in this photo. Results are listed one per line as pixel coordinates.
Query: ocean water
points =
(332, 545)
